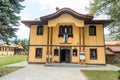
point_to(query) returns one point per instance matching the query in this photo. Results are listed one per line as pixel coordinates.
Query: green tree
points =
(16, 41)
(9, 10)
(24, 43)
(111, 8)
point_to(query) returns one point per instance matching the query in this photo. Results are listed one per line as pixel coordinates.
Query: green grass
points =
(101, 75)
(7, 70)
(11, 59)
(116, 64)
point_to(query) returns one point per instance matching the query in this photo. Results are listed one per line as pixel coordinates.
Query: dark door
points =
(65, 55)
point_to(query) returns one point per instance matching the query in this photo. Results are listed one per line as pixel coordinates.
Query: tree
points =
(9, 10)
(23, 42)
(111, 8)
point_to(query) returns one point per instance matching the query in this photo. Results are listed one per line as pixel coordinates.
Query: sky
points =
(37, 8)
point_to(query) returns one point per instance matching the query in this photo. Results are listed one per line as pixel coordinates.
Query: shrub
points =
(119, 75)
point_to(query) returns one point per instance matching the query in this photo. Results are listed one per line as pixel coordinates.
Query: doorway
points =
(65, 56)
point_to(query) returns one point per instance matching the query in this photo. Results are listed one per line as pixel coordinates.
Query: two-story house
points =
(66, 36)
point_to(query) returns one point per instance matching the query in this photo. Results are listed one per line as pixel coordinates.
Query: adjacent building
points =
(67, 36)
(112, 49)
(11, 49)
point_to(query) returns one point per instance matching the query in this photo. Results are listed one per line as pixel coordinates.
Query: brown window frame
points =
(92, 30)
(62, 31)
(93, 54)
(75, 52)
(40, 30)
(56, 52)
(38, 54)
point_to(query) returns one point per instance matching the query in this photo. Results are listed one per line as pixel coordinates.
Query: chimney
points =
(57, 8)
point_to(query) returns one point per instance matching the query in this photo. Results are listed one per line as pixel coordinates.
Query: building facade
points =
(11, 49)
(67, 36)
(112, 51)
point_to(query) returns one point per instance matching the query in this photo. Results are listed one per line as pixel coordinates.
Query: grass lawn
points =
(6, 70)
(116, 64)
(11, 59)
(101, 75)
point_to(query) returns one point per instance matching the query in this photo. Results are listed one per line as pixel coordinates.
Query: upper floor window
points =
(38, 53)
(40, 30)
(93, 53)
(92, 30)
(65, 30)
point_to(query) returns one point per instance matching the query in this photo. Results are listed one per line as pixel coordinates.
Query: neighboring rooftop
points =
(10, 45)
(112, 43)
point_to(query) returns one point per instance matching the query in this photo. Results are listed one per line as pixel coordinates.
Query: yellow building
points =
(11, 49)
(67, 36)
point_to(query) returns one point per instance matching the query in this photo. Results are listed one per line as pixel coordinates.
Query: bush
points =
(1, 73)
(119, 75)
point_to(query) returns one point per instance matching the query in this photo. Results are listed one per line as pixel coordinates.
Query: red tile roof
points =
(108, 52)
(112, 43)
(115, 49)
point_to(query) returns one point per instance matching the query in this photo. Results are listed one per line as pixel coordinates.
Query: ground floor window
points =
(55, 52)
(93, 54)
(74, 52)
(38, 53)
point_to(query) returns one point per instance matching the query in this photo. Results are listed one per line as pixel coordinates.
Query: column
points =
(51, 32)
(47, 56)
(82, 39)
(82, 53)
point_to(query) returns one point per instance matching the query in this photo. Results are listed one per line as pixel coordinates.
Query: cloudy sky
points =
(37, 8)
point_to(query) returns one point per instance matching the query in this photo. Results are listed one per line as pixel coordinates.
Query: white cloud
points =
(37, 8)
(23, 32)
(76, 5)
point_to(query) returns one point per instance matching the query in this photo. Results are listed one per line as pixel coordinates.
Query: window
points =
(93, 53)
(38, 53)
(55, 52)
(65, 30)
(74, 52)
(61, 31)
(92, 30)
(39, 30)
(70, 33)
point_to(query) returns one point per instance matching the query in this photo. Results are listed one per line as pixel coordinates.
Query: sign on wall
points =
(82, 55)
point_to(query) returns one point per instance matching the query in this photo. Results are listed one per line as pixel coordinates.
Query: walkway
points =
(41, 72)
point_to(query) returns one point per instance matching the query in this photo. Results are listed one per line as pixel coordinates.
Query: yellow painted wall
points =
(60, 40)
(38, 39)
(7, 51)
(94, 40)
(32, 51)
(100, 55)
(67, 19)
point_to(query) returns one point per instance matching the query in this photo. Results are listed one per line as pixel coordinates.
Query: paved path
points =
(41, 72)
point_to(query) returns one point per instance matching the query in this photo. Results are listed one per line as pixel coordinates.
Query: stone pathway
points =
(41, 72)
